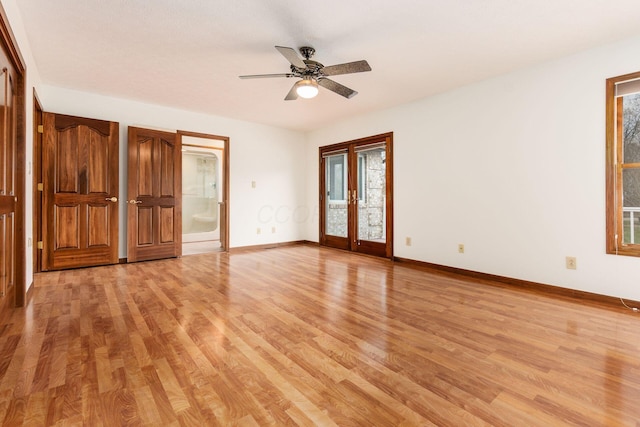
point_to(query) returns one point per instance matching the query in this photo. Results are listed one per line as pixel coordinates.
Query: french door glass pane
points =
(336, 213)
(371, 188)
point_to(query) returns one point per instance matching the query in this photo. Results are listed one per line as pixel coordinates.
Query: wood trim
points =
(613, 172)
(360, 141)
(533, 287)
(37, 178)
(202, 135)
(10, 43)
(389, 191)
(610, 168)
(241, 249)
(29, 295)
(226, 156)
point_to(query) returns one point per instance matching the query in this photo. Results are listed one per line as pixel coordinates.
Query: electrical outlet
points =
(407, 241)
(273, 229)
(571, 263)
(258, 230)
(460, 248)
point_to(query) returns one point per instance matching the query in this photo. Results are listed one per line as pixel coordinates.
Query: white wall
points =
(267, 155)
(512, 167)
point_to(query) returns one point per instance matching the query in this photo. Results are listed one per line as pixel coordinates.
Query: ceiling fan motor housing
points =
(307, 52)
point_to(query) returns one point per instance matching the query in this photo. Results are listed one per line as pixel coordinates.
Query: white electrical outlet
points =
(572, 264)
(460, 248)
(407, 241)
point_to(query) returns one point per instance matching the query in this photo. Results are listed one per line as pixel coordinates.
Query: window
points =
(337, 178)
(362, 177)
(623, 165)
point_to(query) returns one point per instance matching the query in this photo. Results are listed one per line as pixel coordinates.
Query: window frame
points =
(614, 170)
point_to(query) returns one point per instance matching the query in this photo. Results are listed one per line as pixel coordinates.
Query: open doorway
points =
(205, 186)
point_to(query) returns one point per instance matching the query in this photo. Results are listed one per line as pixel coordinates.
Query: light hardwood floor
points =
(304, 335)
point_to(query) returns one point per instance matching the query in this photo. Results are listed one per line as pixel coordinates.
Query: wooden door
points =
(154, 212)
(8, 196)
(80, 189)
(356, 195)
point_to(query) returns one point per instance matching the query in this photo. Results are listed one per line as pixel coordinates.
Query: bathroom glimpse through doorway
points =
(204, 193)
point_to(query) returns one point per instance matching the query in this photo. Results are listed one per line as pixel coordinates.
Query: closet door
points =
(154, 213)
(8, 199)
(80, 192)
(356, 195)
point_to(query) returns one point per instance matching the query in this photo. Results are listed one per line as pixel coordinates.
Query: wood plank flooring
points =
(308, 336)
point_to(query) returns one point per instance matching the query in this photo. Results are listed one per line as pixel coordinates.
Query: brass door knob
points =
(112, 199)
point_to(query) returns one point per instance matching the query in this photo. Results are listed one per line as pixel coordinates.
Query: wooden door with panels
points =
(80, 189)
(8, 195)
(12, 169)
(154, 195)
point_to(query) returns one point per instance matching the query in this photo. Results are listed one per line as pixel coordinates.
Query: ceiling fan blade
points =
(348, 68)
(266, 76)
(337, 88)
(291, 56)
(293, 94)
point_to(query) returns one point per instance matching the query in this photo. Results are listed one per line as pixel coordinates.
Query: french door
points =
(356, 195)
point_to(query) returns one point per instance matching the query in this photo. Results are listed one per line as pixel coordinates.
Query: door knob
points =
(111, 199)
(135, 202)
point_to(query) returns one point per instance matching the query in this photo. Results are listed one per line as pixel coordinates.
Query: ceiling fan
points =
(313, 74)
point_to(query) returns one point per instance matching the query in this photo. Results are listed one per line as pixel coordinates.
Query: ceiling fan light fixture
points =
(307, 88)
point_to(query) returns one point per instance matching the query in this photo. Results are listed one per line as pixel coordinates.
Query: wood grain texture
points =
(154, 219)
(306, 335)
(80, 176)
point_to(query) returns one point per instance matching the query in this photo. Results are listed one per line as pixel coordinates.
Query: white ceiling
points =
(188, 54)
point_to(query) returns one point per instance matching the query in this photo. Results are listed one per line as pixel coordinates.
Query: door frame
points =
(350, 242)
(224, 209)
(37, 180)
(10, 45)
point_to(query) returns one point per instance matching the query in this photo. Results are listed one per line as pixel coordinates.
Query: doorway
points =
(204, 193)
(356, 195)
